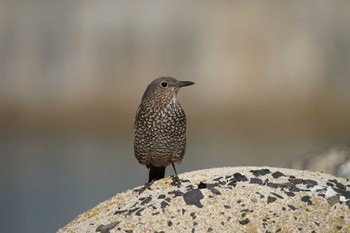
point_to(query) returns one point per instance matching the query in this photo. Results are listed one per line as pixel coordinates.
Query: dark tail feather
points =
(156, 173)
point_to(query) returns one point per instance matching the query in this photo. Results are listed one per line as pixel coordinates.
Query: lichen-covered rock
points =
(232, 199)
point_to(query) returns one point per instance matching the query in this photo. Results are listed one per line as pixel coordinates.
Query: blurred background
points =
(272, 83)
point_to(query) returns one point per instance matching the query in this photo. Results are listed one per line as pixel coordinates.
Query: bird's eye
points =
(163, 84)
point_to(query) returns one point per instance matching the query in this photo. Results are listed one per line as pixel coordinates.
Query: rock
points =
(230, 199)
(334, 160)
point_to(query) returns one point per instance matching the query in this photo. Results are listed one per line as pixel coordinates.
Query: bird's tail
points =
(156, 173)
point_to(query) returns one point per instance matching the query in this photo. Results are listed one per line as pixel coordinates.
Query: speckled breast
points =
(160, 135)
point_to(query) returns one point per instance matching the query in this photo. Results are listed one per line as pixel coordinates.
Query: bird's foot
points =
(176, 181)
(143, 188)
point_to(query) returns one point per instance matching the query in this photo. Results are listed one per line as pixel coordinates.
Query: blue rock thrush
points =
(160, 127)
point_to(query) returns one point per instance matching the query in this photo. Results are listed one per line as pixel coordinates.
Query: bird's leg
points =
(147, 184)
(175, 170)
(176, 179)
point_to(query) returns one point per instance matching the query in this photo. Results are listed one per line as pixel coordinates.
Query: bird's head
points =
(163, 90)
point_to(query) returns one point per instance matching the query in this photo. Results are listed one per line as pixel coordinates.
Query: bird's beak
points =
(184, 83)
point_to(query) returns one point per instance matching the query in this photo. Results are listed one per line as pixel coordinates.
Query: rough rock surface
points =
(230, 199)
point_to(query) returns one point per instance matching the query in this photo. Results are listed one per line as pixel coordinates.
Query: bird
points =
(160, 127)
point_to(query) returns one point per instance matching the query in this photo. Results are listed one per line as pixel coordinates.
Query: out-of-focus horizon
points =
(272, 83)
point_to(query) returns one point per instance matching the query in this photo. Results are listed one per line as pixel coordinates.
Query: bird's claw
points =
(143, 188)
(176, 181)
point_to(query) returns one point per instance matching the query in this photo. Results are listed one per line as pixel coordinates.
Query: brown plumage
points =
(160, 127)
